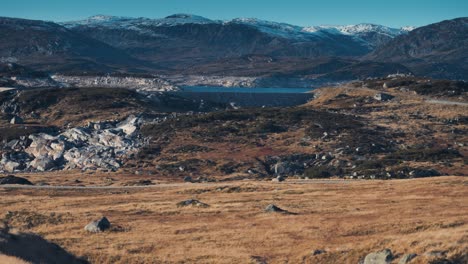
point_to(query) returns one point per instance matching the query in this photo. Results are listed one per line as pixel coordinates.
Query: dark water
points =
(249, 97)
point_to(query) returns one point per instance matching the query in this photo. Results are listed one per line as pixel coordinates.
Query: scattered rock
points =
(11, 179)
(380, 257)
(16, 120)
(192, 202)
(318, 252)
(436, 254)
(188, 179)
(271, 208)
(383, 97)
(140, 183)
(98, 225)
(101, 145)
(407, 258)
(258, 260)
(417, 173)
(290, 165)
(278, 179)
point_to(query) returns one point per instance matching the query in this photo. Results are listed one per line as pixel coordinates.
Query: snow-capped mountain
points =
(269, 27)
(190, 38)
(132, 23)
(374, 35)
(189, 44)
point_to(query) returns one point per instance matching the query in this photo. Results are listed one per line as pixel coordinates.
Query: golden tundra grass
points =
(347, 219)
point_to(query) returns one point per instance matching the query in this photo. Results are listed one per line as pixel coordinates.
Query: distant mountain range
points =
(189, 44)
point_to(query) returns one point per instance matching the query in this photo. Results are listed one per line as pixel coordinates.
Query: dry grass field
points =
(346, 219)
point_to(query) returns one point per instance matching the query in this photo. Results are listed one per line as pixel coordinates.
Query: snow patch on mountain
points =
(128, 22)
(360, 29)
(143, 26)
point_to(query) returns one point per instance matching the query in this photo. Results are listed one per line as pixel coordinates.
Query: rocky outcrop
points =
(11, 179)
(98, 226)
(295, 164)
(271, 208)
(384, 97)
(154, 84)
(16, 120)
(101, 145)
(193, 203)
(381, 257)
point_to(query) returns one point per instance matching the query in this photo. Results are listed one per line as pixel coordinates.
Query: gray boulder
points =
(380, 257)
(98, 225)
(278, 179)
(42, 163)
(16, 120)
(271, 208)
(77, 134)
(383, 97)
(11, 166)
(129, 126)
(188, 179)
(192, 202)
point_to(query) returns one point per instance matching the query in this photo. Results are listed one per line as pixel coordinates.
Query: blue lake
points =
(213, 89)
(248, 97)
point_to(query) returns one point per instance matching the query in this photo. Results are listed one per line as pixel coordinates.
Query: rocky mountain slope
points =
(192, 45)
(49, 46)
(397, 127)
(180, 39)
(439, 50)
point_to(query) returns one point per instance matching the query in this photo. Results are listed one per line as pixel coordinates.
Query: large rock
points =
(77, 134)
(290, 165)
(271, 208)
(278, 179)
(383, 97)
(380, 257)
(418, 173)
(46, 145)
(11, 166)
(188, 179)
(11, 179)
(98, 225)
(16, 120)
(129, 126)
(192, 202)
(43, 163)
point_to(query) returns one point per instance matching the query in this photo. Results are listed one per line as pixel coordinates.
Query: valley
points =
(185, 139)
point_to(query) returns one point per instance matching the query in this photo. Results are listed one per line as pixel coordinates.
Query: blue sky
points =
(394, 13)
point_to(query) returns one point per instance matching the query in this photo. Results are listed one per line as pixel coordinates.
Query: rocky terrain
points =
(380, 128)
(167, 179)
(141, 84)
(107, 156)
(100, 145)
(438, 50)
